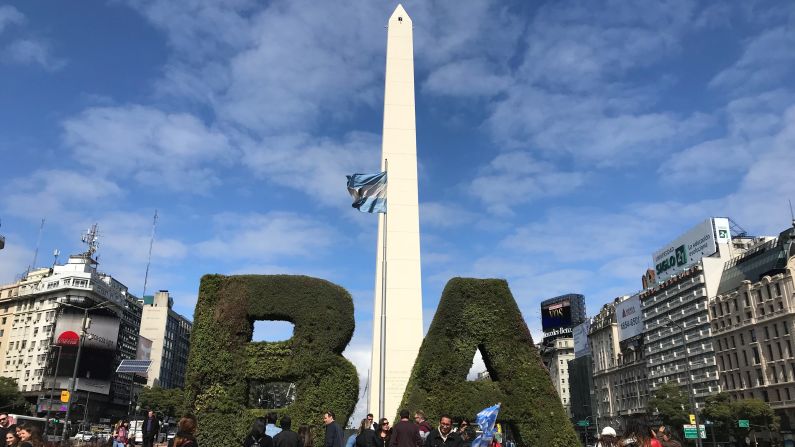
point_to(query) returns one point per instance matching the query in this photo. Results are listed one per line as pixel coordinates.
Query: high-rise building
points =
(169, 333)
(45, 313)
(559, 315)
(753, 323)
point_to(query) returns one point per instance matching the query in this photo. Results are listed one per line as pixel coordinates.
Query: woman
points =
(256, 436)
(384, 433)
(639, 434)
(12, 440)
(186, 432)
(465, 432)
(366, 436)
(607, 438)
(305, 438)
(120, 436)
(30, 436)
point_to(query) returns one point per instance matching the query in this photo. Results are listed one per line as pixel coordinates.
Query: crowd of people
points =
(638, 434)
(19, 435)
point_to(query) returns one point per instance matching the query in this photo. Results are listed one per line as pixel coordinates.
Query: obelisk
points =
(398, 259)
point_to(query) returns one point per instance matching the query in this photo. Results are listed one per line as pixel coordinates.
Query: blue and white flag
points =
(368, 192)
(486, 419)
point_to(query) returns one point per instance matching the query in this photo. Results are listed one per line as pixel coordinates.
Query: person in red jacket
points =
(405, 433)
(422, 424)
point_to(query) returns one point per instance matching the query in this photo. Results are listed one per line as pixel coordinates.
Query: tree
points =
(671, 403)
(11, 399)
(722, 410)
(166, 402)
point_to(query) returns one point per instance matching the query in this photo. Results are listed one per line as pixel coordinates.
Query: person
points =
(11, 439)
(30, 436)
(286, 437)
(333, 431)
(6, 426)
(270, 428)
(366, 436)
(383, 433)
(665, 436)
(305, 438)
(465, 432)
(607, 438)
(121, 434)
(151, 429)
(405, 433)
(186, 432)
(257, 436)
(373, 424)
(443, 436)
(638, 434)
(422, 424)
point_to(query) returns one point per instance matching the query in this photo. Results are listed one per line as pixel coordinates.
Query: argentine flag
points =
(486, 419)
(368, 192)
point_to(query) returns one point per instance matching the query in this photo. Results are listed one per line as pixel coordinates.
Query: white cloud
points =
(10, 16)
(767, 60)
(33, 52)
(515, 178)
(171, 150)
(14, 258)
(271, 236)
(444, 215)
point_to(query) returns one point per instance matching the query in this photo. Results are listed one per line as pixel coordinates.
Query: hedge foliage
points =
(482, 314)
(223, 359)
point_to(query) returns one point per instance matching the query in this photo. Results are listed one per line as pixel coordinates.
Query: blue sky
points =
(559, 143)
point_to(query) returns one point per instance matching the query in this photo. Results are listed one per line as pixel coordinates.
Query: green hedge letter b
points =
(224, 362)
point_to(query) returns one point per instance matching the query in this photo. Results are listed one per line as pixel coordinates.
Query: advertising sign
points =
(556, 316)
(629, 316)
(688, 249)
(102, 333)
(580, 334)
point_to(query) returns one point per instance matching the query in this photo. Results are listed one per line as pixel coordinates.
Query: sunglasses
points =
(385, 423)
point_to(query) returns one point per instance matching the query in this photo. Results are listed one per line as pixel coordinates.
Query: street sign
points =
(692, 419)
(65, 396)
(743, 423)
(583, 423)
(690, 431)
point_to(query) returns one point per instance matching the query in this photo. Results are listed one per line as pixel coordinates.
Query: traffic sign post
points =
(691, 433)
(584, 423)
(743, 423)
(65, 396)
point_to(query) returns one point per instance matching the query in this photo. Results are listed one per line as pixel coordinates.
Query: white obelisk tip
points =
(400, 15)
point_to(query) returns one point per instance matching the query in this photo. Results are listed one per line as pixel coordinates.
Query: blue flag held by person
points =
(487, 418)
(368, 192)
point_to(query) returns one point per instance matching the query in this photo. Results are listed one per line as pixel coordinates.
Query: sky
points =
(559, 143)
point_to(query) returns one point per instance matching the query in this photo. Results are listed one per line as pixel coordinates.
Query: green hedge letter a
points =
(224, 363)
(482, 314)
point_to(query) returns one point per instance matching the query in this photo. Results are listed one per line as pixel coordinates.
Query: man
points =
(151, 429)
(404, 433)
(422, 424)
(443, 436)
(333, 431)
(372, 424)
(665, 437)
(270, 428)
(286, 437)
(5, 427)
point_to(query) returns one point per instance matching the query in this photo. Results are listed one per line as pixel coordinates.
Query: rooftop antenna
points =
(149, 259)
(36, 252)
(791, 214)
(2, 238)
(91, 239)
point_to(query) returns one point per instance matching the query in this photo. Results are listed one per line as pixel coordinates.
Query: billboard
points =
(556, 319)
(629, 316)
(97, 358)
(580, 333)
(688, 249)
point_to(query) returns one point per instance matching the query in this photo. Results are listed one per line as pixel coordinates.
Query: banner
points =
(629, 316)
(580, 333)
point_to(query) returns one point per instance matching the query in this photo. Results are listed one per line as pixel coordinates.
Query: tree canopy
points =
(166, 402)
(11, 400)
(670, 402)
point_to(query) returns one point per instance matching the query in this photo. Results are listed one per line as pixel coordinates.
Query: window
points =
(780, 351)
(747, 299)
(759, 296)
(753, 335)
(756, 355)
(767, 333)
(742, 339)
(778, 293)
(770, 351)
(745, 357)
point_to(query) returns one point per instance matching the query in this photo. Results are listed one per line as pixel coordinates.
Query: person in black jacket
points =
(443, 436)
(257, 437)
(151, 429)
(366, 436)
(334, 433)
(286, 437)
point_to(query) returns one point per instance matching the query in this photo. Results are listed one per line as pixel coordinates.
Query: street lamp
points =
(690, 398)
(83, 330)
(52, 389)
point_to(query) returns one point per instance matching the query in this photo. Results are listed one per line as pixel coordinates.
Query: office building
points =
(169, 333)
(559, 315)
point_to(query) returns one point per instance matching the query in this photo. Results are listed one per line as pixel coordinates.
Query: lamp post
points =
(52, 389)
(690, 398)
(83, 329)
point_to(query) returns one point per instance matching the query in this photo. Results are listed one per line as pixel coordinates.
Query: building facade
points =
(556, 356)
(169, 333)
(753, 322)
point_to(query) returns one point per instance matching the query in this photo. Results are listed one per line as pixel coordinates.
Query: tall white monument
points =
(398, 276)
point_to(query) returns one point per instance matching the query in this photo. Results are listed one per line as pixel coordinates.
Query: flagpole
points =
(382, 375)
